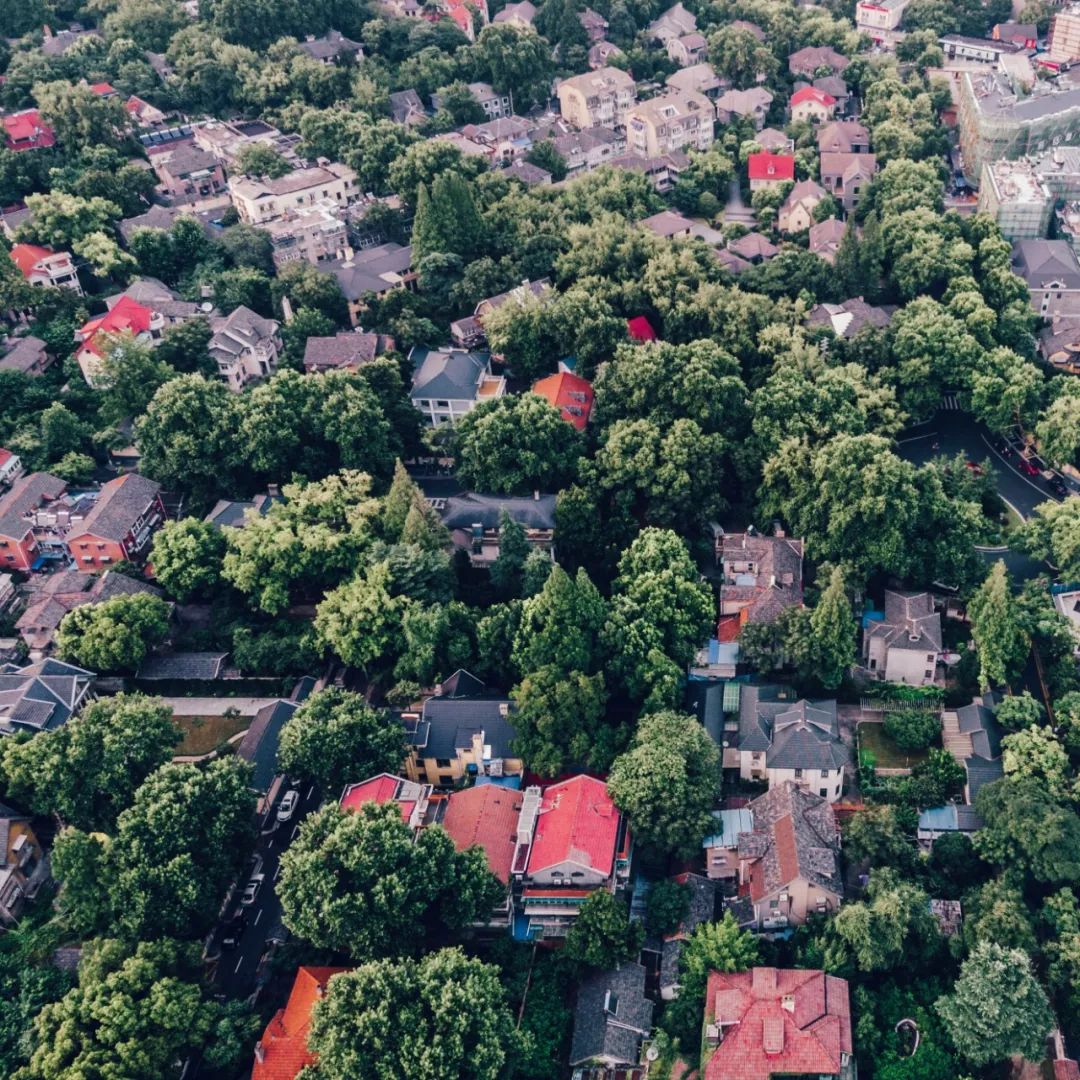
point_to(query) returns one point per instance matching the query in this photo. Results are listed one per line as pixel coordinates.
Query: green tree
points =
(87, 771)
(878, 836)
(667, 783)
(447, 220)
(1019, 711)
(713, 946)
(561, 624)
(506, 570)
(996, 912)
(357, 882)
(832, 624)
(602, 936)
(893, 926)
(544, 156)
(912, 729)
(515, 445)
(1056, 430)
(61, 220)
(1000, 639)
(136, 1012)
(131, 373)
(736, 54)
(1053, 532)
(660, 615)
(516, 61)
(1027, 830)
(260, 160)
(1035, 753)
(360, 620)
(997, 1007)
(80, 117)
(335, 738)
(452, 1006)
(150, 24)
(74, 468)
(439, 639)
(666, 905)
(115, 635)
(186, 556)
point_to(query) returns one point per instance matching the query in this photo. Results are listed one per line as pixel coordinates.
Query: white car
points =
(287, 806)
(251, 891)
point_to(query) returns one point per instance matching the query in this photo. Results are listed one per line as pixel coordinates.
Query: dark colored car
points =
(1058, 487)
(974, 467)
(1001, 445)
(233, 931)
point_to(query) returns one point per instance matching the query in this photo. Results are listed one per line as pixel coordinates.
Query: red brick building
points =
(19, 546)
(120, 525)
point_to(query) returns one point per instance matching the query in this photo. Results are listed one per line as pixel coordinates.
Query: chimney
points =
(286, 309)
(260, 1052)
(273, 490)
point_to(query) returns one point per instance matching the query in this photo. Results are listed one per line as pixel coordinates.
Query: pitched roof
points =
(848, 318)
(27, 126)
(910, 622)
(1043, 263)
(348, 350)
(848, 166)
(126, 314)
(449, 724)
(612, 1016)
(283, 1046)
(24, 354)
(41, 696)
(812, 93)
(764, 573)
(382, 789)
(25, 496)
(842, 136)
(778, 1022)
(183, 665)
(577, 823)
(27, 256)
(464, 511)
(825, 237)
(242, 329)
(753, 246)
(795, 735)
(815, 56)
(795, 835)
(487, 817)
(570, 394)
(120, 503)
(640, 329)
(447, 373)
(260, 742)
(371, 270)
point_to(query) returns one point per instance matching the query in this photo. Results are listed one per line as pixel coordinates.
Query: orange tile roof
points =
(380, 789)
(283, 1046)
(577, 823)
(27, 256)
(567, 392)
(486, 816)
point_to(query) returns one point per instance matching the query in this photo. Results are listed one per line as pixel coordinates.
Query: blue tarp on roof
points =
(939, 819)
(872, 616)
(512, 782)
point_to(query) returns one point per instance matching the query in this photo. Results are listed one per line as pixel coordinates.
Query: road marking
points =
(258, 916)
(238, 963)
(950, 403)
(294, 828)
(311, 791)
(917, 438)
(1013, 509)
(277, 871)
(1046, 495)
(269, 843)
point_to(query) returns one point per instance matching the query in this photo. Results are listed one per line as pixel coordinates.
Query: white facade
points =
(257, 201)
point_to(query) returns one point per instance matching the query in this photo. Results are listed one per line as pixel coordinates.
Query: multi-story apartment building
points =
(262, 199)
(995, 123)
(189, 173)
(599, 98)
(43, 266)
(315, 233)
(1063, 44)
(1012, 193)
(880, 18)
(675, 120)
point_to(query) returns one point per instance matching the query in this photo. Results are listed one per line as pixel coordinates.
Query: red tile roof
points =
(578, 823)
(284, 1043)
(566, 392)
(5, 456)
(486, 816)
(27, 256)
(379, 789)
(764, 166)
(103, 89)
(28, 127)
(128, 314)
(811, 93)
(778, 1022)
(640, 328)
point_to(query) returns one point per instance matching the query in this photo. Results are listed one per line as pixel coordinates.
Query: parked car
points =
(233, 930)
(251, 891)
(287, 806)
(1057, 486)
(974, 467)
(1028, 468)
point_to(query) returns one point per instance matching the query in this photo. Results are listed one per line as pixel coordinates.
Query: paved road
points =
(737, 212)
(236, 970)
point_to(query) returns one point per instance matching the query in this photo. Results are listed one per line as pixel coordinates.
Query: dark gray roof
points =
(978, 721)
(1044, 263)
(371, 270)
(763, 572)
(22, 353)
(816, 855)
(119, 505)
(449, 724)
(41, 696)
(230, 514)
(703, 897)
(188, 158)
(794, 734)
(462, 684)
(260, 743)
(447, 373)
(342, 350)
(242, 329)
(706, 701)
(613, 1033)
(404, 104)
(25, 496)
(861, 314)
(464, 511)
(183, 665)
(330, 46)
(910, 622)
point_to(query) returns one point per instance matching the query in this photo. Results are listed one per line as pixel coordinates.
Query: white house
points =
(905, 644)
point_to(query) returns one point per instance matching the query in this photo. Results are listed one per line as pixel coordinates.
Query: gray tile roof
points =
(464, 511)
(183, 665)
(703, 897)
(910, 622)
(448, 724)
(343, 350)
(404, 105)
(853, 315)
(816, 854)
(612, 1016)
(231, 514)
(260, 743)
(120, 503)
(241, 330)
(527, 173)
(793, 734)
(1045, 263)
(452, 374)
(25, 496)
(330, 46)
(24, 353)
(371, 270)
(41, 696)
(764, 572)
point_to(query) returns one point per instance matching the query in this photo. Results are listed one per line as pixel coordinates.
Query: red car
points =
(1027, 468)
(975, 467)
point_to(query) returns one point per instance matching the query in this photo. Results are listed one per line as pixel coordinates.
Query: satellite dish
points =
(652, 1053)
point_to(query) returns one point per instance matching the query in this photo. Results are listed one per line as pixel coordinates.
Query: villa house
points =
(761, 576)
(23, 868)
(474, 522)
(124, 517)
(448, 383)
(904, 644)
(43, 266)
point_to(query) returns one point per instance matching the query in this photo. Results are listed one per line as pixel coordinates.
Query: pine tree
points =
(1000, 640)
(426, 234)
(460, 226)
(871, 257)
(398, 502)
(424, 528)
(847, 263)
(513, 551)
(833, 627)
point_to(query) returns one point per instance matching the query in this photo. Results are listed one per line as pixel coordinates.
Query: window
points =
(442, 763)
(929, 658)
(798, 774)
(928, 674)
(84, 547)
(823, 792)
(824, 774)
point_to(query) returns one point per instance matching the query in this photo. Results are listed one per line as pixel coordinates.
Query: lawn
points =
(205, 733)
(887, 755)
